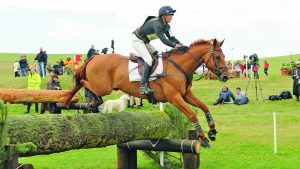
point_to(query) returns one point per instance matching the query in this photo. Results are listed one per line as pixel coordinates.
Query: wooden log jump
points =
(57, 133)
(34, 96)
(127, 152)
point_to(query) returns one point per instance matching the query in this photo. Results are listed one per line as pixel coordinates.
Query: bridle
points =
(216, 69)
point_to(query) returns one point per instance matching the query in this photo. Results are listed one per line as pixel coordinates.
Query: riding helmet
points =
(166, 10)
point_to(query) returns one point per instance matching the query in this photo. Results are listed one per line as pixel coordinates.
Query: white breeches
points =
(143, 50)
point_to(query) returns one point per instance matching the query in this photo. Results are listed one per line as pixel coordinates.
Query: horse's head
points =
(214, 60)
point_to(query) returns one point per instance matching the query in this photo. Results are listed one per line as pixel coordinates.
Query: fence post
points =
(12, 162)
(190, 160)
(127, 159)
(275, 136)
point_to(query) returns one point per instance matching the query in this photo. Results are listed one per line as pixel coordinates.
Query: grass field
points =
(245, 138)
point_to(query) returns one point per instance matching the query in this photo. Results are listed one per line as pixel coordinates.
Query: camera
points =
(253, 59)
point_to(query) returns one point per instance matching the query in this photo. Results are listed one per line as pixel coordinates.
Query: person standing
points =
(153, 28)
(17, 69)
(23, 65)
(42, 58)
(296, 82)
(34, 83)
(53, 84)
(91, 52)
(266, 67)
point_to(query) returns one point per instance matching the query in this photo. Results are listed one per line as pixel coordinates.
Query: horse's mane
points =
(199, 42)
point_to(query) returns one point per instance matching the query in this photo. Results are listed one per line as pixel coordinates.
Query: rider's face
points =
(168, 18)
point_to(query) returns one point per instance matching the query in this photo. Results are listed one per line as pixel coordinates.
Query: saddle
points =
(137, 59)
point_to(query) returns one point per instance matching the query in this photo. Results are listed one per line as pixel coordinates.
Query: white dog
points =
(118, 104)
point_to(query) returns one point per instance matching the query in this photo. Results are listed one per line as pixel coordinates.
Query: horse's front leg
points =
(178, 102)
(193, 100)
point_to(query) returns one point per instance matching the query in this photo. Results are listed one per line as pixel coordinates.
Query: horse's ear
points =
(221, 43)
(215, 42)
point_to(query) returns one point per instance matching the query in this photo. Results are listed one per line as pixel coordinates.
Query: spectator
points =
(241, 98)
(17, 69)
(61, 63)
(238, 68)
(248, 67)
(266, 67)
(69, 62)
(91, 52)
(57, 68)
(53, 84)
(46, 57)
(68, 65)
(135, 102)
(34, 83)
(242, 68)
(23, 65)
(49, 68)
(224, 96)
(255, 70)
(296, 82)
(42, 58)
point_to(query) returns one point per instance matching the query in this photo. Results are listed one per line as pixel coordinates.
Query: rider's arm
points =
(172, 38)
(159, 31)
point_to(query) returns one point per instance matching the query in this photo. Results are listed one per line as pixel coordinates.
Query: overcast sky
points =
(266, 27)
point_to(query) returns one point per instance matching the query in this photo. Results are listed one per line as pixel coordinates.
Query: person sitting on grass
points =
(241, 98)
(224, 96)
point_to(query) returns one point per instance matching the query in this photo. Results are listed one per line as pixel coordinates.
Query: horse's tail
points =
(80, 74)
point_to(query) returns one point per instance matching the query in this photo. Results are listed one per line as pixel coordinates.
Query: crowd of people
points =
(252, 65)
(40, 69)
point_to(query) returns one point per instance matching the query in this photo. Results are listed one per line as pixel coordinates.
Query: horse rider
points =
(153, 28)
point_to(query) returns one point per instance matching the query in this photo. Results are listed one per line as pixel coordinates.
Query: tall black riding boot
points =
(144, 82)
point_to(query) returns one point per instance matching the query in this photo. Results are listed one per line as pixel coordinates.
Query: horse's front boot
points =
(205, 143)
(144, 89)
(212, 134)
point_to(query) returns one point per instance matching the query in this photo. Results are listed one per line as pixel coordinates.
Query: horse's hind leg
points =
(96, 101)
(193, 100)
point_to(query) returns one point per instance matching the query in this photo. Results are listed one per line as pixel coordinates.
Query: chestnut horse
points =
(103, 74)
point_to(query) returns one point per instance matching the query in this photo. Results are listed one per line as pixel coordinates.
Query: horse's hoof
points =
(212, 134)
(205, 143)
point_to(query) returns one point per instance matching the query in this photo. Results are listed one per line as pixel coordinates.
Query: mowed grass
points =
(245, 138)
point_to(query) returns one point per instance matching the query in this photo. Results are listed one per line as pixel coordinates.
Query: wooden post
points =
(190, 160)
(127, 159)
(12, 162)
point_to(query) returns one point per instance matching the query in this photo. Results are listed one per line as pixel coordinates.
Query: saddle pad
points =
(134, 75)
